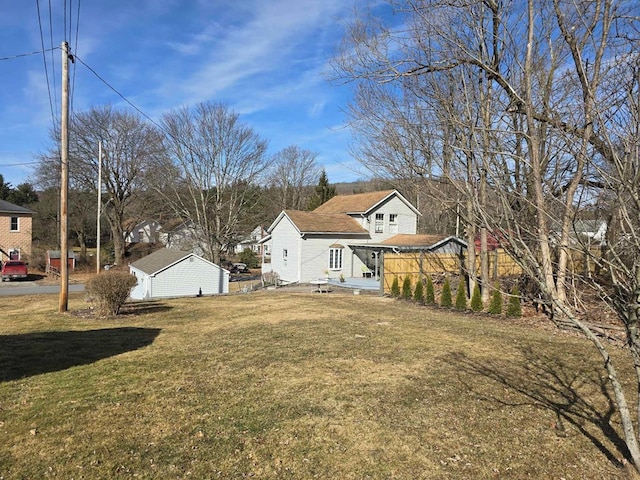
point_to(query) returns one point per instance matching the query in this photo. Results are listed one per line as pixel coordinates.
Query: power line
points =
(160, 127)
(23, 164)
(44, 57)
(53, 61)
(75, 49)
(119, 94)
(64, 25)
(20, 55)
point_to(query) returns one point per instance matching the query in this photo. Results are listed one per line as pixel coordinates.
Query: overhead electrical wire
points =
(135, 107)
(20, 55)
(118, 93)
(75, 49)
(53, 61)
(44, 57)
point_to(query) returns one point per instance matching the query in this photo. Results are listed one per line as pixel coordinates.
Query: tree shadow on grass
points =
(24, 355)
(577, 396)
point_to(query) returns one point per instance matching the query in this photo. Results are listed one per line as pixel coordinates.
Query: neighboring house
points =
(254, 242)
(331, 241)
(180, 236)
(15, 231)
(589, 232)
(592, 231)
(169, 273)
(143, 232)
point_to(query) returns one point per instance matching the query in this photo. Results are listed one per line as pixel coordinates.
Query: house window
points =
(14, 224)
(393, 223)
(379, 225)
(285, 253)
(335, 258)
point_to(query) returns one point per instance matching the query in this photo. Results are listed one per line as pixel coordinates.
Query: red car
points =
(14, 269)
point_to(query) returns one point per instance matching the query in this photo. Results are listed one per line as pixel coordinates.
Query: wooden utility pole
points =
(64, 183)
(99, 207)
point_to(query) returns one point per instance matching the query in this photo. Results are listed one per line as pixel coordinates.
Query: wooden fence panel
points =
(416, 265)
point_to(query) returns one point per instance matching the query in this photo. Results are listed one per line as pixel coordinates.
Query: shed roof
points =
(418, 242)
(314, 222)
(410, 240)
(56, 254)
(159, 260)
(8, 207)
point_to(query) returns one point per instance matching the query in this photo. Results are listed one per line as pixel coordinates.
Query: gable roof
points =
(159, 260)
(360, 203)
(8, 207)
(314, 222)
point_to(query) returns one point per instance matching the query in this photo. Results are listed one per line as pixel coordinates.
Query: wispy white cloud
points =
(263, 58)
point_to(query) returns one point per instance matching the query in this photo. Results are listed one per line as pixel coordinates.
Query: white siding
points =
(285, 236)
(186, 278)
(144, 232)
(406, 219)
(138, 292)
(315, 259)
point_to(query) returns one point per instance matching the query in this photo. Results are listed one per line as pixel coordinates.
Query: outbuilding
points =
(54, 264)
(168, 273)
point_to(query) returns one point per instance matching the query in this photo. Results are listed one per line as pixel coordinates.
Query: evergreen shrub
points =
(445, 296)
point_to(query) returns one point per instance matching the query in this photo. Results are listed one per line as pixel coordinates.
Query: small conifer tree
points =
(395, 288)
(430, 295)
(418, 293)
(476, 299)
(461, 296)
(445, 296)
(406, 288)
(495, 307)
(514, 309)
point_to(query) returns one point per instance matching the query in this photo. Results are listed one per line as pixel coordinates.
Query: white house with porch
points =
(325, 243)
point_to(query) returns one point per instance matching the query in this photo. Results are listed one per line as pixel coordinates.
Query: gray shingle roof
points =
(8, 207)
(159, 260)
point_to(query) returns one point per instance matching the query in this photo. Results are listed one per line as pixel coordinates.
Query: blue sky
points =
(263, 58)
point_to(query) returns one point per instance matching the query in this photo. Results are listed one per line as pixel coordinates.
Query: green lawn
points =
(281, 385)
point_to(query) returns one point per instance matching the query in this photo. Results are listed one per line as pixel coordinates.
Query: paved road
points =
(32, 288)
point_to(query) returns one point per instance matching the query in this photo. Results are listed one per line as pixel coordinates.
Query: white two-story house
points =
(306, 246)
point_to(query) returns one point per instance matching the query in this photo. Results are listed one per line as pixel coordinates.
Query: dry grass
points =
(276, 384)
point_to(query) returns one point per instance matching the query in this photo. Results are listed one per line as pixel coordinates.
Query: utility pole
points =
(99, 206)
(64, 183)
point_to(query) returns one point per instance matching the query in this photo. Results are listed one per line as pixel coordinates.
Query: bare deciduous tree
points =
(293, 174)
(536, 102)
(215, 163)
(131, 148)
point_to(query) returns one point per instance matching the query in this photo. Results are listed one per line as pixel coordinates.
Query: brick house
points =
(15, 231)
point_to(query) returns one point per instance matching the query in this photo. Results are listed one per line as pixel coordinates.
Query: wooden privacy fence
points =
(416, 265)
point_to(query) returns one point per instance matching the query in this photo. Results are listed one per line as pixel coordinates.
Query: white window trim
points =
(336, 258)
(393, 223)
(17, 229)
(378, 225)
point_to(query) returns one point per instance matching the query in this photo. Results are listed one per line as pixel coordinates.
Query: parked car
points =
(13, 269)
(239, 268)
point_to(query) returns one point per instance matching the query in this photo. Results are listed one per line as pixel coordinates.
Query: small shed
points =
(53, 261)
(168, 273)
